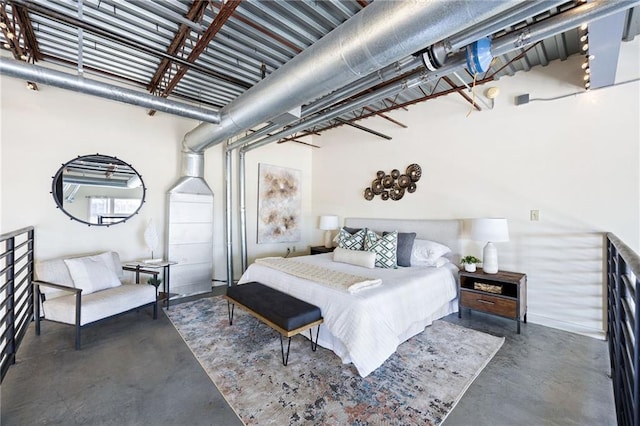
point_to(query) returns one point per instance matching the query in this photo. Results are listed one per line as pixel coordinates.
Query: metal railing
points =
(623, 314)
(16, 293)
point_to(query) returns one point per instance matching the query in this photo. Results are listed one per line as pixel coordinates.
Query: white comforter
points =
(365, 328)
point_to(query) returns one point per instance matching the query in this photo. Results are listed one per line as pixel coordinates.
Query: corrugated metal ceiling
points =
(133, 41)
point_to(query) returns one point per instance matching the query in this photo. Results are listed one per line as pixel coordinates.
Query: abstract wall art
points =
(279, 204)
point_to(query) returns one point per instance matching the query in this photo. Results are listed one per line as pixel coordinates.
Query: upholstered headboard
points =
(447, 232)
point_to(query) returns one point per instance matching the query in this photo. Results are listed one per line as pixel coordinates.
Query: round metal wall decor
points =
(395, 184)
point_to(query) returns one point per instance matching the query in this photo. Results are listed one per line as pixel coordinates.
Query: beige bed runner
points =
(330, 278)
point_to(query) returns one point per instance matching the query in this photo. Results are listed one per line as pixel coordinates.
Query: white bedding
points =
(365, 328)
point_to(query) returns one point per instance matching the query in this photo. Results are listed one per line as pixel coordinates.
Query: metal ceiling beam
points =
(386, 117)
(366, 129)
(460, 90)
(195, 13)
(221, 18)
(19, 36)
(123, 40)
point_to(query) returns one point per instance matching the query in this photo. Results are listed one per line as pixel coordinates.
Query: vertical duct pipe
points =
(228, 225)
(243, 209)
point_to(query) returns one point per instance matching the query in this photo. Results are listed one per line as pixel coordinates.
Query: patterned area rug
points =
(419, 384)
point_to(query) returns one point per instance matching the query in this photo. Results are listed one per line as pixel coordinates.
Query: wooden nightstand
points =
(321, 249)
(503, 294)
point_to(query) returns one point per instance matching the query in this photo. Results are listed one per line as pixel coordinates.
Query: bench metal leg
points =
(314, 345)
(230, 311)
(285, 361)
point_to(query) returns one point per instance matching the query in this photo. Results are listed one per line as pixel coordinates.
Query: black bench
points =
(280, 311)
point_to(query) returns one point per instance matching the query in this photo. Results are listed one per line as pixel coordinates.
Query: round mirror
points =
(98, 190)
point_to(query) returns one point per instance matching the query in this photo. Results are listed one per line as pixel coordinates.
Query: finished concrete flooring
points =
(136, 371)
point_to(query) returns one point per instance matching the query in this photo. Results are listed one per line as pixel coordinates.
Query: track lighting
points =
(31, 86)
(583, 27)
(591, 57)
(585, 64)
(11, 36)
(3, 25)
(7, 46)
(587, 85)
(585, 47)
(583, 38)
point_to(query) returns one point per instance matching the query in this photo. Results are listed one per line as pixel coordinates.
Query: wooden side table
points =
(503, 294)
(321, 249)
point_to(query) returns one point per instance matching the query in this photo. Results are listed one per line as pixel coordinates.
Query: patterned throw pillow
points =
(385, 247)
(350, 242)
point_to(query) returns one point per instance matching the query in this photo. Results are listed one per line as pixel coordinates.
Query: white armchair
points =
(84, 290)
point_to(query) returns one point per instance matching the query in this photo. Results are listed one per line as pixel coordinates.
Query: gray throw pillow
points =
(351, 230)
(405, 247)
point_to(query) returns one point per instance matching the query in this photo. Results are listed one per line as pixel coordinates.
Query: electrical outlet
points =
(534, 215)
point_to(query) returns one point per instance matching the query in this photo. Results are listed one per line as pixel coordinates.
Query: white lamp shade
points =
(329, 222)
(488, 229)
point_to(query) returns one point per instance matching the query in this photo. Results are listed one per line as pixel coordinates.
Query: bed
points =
(366, 327)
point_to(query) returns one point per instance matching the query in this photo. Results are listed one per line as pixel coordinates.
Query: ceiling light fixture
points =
(583, 38)
(585, 47)
(3, 25)
(587, 85)
(583, 27)
(586, 77)
(591, 57)
(7, 46)
(585, 64)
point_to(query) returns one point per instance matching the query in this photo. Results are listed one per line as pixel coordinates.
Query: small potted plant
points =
(469, 263)
(154, 281)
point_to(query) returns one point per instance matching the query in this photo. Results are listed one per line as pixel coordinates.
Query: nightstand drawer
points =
(487, 303)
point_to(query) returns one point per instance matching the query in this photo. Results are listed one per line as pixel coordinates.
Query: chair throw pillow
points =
(350, 242)
(385, 247)
(92, 273)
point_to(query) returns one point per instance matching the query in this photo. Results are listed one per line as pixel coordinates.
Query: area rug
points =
(418, 385)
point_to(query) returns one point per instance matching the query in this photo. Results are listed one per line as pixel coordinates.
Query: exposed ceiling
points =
(210, 52)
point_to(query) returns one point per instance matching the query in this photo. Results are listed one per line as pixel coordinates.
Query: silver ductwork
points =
(380, 34)
(50, 77)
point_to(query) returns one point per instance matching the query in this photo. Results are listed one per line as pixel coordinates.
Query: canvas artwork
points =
(279, 204)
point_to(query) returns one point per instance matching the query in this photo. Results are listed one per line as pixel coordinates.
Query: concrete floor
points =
(136, 371)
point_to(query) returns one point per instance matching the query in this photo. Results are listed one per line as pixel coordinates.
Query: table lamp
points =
(491, 230)
(328, 223)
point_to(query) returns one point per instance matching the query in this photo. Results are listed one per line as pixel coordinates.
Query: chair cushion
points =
(99, 305)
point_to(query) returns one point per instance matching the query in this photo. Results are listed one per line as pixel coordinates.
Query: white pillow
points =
(427, 252)
(93, 273)
(441, 261)
(366, 259)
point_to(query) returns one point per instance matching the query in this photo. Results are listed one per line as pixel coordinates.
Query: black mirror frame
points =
(56, 187)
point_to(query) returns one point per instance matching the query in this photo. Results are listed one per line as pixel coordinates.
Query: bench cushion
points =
(99, 305)
(280, 308)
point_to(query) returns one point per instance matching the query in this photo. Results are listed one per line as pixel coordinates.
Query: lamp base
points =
(327, 239)
(490, 259)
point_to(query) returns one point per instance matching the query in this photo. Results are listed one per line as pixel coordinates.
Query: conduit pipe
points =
(380, 34)
(337, 96)
(25, 71)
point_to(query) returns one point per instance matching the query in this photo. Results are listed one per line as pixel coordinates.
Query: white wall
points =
(41, 130)
(289, 155)
(577, 160)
